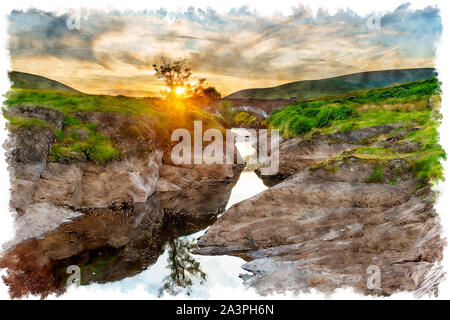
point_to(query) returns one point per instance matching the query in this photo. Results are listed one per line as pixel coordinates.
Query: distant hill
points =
(31, 81)
(309, 89)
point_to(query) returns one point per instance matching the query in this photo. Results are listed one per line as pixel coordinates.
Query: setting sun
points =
(179, 90)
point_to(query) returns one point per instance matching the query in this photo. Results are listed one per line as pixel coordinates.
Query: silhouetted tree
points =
(211, 93)
(173, 73)
(177, 74)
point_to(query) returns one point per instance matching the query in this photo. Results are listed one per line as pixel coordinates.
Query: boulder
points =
(59, 184)
(196, 190)
(131, 180)
(326, 231)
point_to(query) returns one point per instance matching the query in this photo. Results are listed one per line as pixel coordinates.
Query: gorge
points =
(93, 185)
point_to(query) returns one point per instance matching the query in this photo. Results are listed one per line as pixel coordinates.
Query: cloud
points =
(35, 33)
(240, 44)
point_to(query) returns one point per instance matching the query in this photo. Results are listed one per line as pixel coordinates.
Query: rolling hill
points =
(309, 89)
(24, 80)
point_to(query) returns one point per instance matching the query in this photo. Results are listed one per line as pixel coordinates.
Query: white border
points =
(263, 7)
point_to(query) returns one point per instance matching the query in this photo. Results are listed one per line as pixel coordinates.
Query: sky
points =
(112, 52)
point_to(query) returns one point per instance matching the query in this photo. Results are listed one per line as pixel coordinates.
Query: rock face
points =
(330, 225)
(132, 179)
(50, 116)
(311, 232)
(111, 218)
(84, 185)
(133, 136)
(90, 185)
(27, 149)
(196, 189)
(298, 153)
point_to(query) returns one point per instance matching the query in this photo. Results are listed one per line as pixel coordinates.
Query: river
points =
(206, 276)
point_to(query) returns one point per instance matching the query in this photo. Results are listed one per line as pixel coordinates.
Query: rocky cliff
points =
(88, 184)
(72, 209)
(331, 216)
(299, 153)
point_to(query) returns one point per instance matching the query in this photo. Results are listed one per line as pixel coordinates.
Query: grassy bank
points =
(415, 105)
(81, 141)
(363, 108)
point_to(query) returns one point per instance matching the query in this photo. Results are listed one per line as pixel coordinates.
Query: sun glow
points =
(179, 90)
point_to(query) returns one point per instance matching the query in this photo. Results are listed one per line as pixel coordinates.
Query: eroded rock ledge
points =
(70, 187)
(298, 153)
(309, 232)
(325, 224)
(112, 219)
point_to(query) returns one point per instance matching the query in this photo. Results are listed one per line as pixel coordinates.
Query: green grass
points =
(20, 122)
(408, 92)
(72, 147)
(163, 118)
(295, 120)
(71, 121)
(377, 175)
(408, 104)
(68, 102)
(95, 147)
(375, 117)
(302, 117)
(425, 162)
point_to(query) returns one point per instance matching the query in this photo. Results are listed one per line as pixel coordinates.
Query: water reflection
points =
(220, 271)
(107, 245)
(183, 267)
